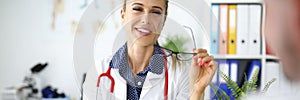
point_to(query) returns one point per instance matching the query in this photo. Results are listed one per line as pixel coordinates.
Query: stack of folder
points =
(238, 31)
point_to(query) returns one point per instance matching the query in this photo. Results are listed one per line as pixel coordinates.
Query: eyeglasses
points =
(192, 33)
(182, 56)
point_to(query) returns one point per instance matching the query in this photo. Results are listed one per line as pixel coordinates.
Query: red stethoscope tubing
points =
(166, 80)
(107, 74)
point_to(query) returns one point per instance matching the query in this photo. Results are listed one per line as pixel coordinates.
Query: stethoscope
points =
(107, 74)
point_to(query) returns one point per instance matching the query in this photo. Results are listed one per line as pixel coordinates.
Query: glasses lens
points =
(184, 56)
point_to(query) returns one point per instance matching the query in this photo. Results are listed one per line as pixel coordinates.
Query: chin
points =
(292, 77)
(145, 43)
(291, 72)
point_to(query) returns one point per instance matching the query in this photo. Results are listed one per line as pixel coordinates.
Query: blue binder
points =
(214, 35)
(255, 65)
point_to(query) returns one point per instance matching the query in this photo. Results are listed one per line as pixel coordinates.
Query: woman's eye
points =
(158, 13)
(137, 9)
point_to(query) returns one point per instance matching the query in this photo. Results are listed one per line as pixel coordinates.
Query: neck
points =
(139, 57)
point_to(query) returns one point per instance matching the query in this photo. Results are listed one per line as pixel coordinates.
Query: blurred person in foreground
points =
(282, 31)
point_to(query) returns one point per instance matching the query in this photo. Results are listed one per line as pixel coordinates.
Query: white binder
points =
(224, 67)
(242, 29)
(234, 70)
(254, 29)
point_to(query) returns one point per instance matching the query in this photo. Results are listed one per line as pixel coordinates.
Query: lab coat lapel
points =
(120, 85)
(152, 81)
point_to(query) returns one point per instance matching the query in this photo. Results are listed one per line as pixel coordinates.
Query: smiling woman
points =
(140, 69)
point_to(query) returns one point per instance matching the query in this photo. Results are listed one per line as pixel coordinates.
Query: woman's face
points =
(143, 20)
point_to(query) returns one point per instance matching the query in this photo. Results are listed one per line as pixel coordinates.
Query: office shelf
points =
(264, 58)
(238, 56)
(271, 57)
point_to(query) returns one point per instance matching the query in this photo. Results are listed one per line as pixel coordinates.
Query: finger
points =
(195, 59)
(214, 66)
(200, 51)
(194, 70)
(199, 62)
(202, 55)
(211, 63)
(205, 71)
(206, 60)
(201, 71)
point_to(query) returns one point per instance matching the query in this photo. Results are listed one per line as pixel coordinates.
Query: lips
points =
(143, 31)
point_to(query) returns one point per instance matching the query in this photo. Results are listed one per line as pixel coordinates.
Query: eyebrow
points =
(157, 7)
(143, 5)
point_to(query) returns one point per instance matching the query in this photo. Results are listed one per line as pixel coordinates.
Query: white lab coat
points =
(153, 88)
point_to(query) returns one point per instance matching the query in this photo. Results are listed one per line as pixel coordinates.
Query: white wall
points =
(26, 38)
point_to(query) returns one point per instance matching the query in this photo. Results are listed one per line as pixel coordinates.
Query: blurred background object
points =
(27, 37)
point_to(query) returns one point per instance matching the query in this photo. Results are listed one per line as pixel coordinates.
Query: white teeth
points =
(143, 30)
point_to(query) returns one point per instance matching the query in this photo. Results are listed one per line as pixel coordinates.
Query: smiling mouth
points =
(143, 31)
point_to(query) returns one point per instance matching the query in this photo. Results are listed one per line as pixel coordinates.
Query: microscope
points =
(32, 87)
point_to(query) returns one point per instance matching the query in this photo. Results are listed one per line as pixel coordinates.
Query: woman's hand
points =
(202, 70)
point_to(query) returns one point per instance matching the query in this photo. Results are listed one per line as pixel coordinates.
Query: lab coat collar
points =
(152, 80)
(120, 85)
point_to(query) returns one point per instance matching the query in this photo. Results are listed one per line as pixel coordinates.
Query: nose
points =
(145, 19)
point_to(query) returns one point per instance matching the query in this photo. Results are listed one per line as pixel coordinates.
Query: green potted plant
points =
(248, 87)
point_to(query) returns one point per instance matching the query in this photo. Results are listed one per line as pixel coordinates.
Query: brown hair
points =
(125, 1)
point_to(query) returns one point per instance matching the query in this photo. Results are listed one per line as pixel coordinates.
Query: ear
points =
(122, 15)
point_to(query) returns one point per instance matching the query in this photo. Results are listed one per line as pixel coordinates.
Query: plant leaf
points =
(253, 81)
(231, 85)
(221, 94)
(224, 95)
(245, 86)
(175, 43)
(216, 92)
(268, 84)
